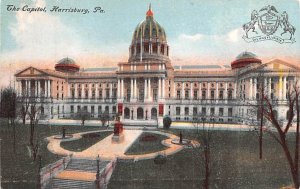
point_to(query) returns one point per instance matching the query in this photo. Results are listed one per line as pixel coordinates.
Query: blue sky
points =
(198, 31)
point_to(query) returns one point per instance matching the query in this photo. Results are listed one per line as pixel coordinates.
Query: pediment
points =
(280, 65)
(30, 71)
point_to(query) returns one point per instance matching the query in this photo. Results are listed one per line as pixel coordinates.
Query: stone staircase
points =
(78, 167)
(73, 184)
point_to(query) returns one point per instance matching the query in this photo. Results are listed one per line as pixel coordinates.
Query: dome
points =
(66, 65)
(245, 59)
(149, 40)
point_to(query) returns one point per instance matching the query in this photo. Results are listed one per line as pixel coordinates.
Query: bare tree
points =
(23, 104)
(204, 136)
(281, 136)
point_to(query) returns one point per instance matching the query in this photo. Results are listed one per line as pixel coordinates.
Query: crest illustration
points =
(270, 23)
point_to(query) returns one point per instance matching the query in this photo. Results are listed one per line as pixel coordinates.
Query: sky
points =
(198, 32)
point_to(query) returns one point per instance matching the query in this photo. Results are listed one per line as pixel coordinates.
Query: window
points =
(195, 111)
(229, 112)
(212, 94)
(186, 111)
(107, 93)
(195, 94)
(100, 93)
(221, 111)
(73, 93)
(92, 111)
(221, 94)
(177, 110)
(86, 94)
(93, 94)
(42, 110)
(230, 94)
(178, 94)
(72, 109)
(203, 111)
(114, 109)
(212, 111)
(79, 94)
(204, 94)
(186, 95)
(78, 108)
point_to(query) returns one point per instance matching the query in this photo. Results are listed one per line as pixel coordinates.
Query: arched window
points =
(162, 49)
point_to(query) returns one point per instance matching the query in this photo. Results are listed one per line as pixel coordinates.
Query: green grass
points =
(141, 146)
(236, 164)
(85, 142)
(17, 168)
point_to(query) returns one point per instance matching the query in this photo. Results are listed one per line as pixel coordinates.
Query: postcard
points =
(149, 94)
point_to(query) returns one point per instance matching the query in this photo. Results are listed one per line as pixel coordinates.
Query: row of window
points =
(203, 112)
(204, 94)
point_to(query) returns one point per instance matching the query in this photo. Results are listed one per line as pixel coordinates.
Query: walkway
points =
(108, 150)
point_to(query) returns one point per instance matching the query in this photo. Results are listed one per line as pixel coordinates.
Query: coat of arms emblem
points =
(270, 22)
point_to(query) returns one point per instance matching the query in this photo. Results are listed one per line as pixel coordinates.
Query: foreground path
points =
(108, 150)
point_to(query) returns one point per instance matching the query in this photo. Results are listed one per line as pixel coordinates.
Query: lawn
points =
(235, 165)
(85, 142)
(17, 168)
(147, 143)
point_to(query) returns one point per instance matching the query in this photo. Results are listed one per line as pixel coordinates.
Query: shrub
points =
(167, 122)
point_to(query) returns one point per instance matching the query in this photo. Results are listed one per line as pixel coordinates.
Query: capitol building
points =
(148, 87)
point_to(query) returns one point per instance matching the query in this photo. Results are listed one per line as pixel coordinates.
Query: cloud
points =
(234, 35)
(41, 35)
(193, 38)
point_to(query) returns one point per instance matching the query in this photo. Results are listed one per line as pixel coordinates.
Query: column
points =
(217, 90)
(76, 92)
(255, 88)
(119, 89)
(159, 88)
(46, 88)
(26, 86)
(35, 88)
(49, 89)
(82, 91)
(250, 89)
(29, 87)
(182, 91)
(208, 90)
(284, 88)
(69, 90)
(200, 91)
(226, 92)
(163, 88)
(280, 88)
(122, 88)
(39, 88)
(174, 89)
(131, 88)
(145, 89)
(191, 92)
(96, 92)
(269, 87)
(110, 90)
(90, 91)
(135, 89)
(149, 88)
(234, 92)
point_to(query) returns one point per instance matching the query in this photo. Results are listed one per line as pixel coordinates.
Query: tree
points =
(23, 104)
(167, 121)
(8, 105)
(83, 115)
(281, 130)
(104, 117)
(204, 136)
(8, 109)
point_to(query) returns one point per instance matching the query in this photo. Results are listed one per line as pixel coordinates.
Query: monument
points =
(118, 131)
